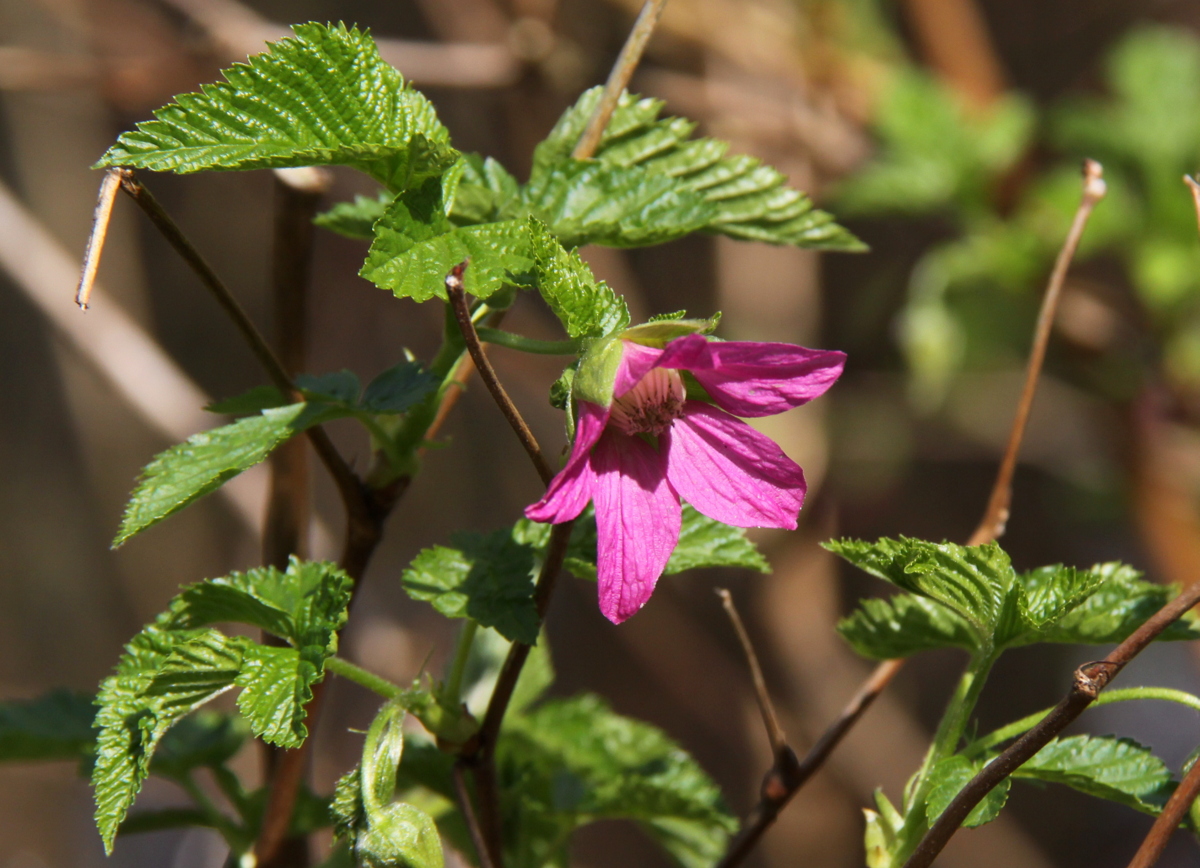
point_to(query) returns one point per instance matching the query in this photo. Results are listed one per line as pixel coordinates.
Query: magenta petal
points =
(730, 472)
(749, 378)
(571, 489)
(637, 522)
(636, 361)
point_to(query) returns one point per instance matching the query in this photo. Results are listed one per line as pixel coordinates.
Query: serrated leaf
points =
(398, 389)
(276, 688)
(486, 193)
(649, 182)
(416, 245)
(705, 542)
(1117, 769)
(1050, 593)
(346, 806)
(487, 577)
(355, 219)
(903, 625)
(576, 762)
(585, 307)
(947, 779)
(251, 402)
(322, 97)
(187, 472)
(972, 581)
(55, 726)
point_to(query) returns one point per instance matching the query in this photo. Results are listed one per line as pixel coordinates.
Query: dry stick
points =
(298, 194)
(622, 71)
(1168, 821)
(462, 314)
(348, 484)
(101, 217)
(995, 515)
(766, 708)
(1089, 680)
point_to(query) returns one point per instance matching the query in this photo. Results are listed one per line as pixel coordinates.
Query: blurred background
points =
(946, 133)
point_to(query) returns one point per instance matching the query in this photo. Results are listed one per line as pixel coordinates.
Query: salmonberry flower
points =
(647, 436)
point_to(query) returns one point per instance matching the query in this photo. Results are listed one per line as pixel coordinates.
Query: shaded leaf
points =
(398, 389)
(903, 625)
(55, 726)
(322, 97)
(355, 219)
(1117, 769)
(947, 779)
(250, 403)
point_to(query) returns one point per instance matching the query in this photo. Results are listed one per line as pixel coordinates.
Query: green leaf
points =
(322, 97)
(705, 542)
(649, 182)
(55, 726)
(948, 778)
(585, 308)
(1050, 593)
(488, 653)
(416, 245)
(347, 805)
(276, 688)
(166, 818)
(206, 739)
(398, 389)
(903, 625)
(486, 193)
(574, 761)
(487, 577)
(187, 472)
(355, 219)
(1117, 769)
(972, 581)
(337, 387)
(250, 403)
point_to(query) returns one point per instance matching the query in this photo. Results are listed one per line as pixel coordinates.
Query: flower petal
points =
(729, 471)
(751, 378)
(636, 362)
(571, 489)
(637, 522)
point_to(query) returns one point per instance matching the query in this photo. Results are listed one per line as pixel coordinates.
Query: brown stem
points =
(468, 812)
(788, 775)
(618, 79)
(766, 708)
(462, 314)
(996, 515)
(95, 244)
(1168, 821)
(348, 484)
(1089, 680)
(298, 194)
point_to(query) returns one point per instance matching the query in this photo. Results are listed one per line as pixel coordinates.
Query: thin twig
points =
(788, 775)
(1168, 821)
(298, 194)
(462, 314)
(1089, 680)
(766, 708)
(996, 515)
(348, 484)
(618, 79)
(468, 812)
(95, 245)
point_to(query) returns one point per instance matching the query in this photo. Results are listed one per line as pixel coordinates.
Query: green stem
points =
(233, 834)
(371, 681)
(1128, 694)
(501, 338)
(945, 741)
(451, 693)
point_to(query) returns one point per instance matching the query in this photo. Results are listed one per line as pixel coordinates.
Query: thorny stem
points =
(618, 79)
(774, 799)
(462, 313)
(766, 708)
(1089, 680)
(996, 515)
(1168, 821)
(95, 245)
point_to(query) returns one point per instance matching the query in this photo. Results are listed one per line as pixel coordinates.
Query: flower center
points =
(651, 405)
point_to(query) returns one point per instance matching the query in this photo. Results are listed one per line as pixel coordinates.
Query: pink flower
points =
(652, 445)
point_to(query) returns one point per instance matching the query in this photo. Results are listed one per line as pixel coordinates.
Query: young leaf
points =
(585, 307)
(56, 726)
(902, 625)
(487, 578)
(276, 688)
(416, 245)
(649, 182)
(948, 778)
(1050, 593)
(486, 193)
(187, 472)
(322, 97)
(972, 581)
(355, 219)
(1117, 769)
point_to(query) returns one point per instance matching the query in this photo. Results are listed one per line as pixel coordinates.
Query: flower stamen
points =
(651, 405)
